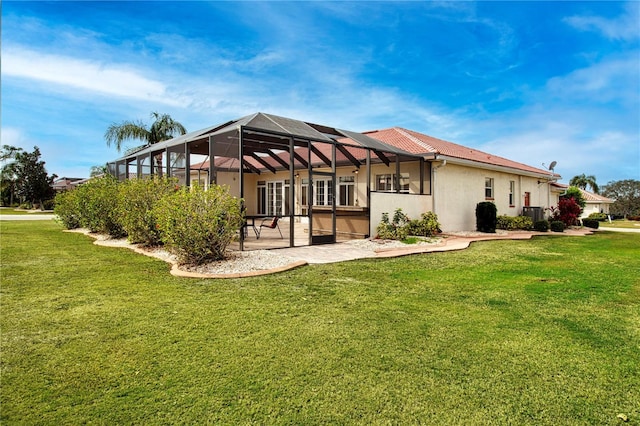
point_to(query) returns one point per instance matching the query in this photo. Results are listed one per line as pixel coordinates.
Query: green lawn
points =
(8, 210)
(545, 331)
(621, 223)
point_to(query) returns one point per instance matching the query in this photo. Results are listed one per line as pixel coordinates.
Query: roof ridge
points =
(419, 141)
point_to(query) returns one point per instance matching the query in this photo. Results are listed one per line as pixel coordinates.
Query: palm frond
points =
(118, 133)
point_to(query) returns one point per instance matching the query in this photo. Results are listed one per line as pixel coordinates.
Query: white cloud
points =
(105, 79)
(624, 27)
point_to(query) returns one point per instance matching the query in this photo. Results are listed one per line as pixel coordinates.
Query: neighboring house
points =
(66, 183)
(339, 181)
(594, 203)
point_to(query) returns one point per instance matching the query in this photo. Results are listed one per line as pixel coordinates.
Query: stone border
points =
(104, 241)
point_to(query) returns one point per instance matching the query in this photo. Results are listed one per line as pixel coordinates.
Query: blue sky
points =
(530, 81)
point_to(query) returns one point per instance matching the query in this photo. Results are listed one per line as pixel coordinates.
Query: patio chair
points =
(269, 222)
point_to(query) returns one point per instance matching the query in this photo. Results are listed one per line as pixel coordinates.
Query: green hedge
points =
(512, 223)
(557, 226)
(198, 225)
(486, 217)
(541, 226)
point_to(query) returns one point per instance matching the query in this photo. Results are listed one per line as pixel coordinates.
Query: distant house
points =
(340, 182)
(66, 183)
(595, 203)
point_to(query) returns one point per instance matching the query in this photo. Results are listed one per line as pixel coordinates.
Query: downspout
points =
(434, 191)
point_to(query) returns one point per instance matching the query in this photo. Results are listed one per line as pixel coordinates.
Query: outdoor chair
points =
(269, 222)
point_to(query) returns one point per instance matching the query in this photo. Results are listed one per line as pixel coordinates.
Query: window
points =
(262, 197)
(388, 183)
(488, 188)
(512, 190)
(323, 191)
(346, 191)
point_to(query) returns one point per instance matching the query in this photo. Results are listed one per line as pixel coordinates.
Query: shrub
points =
(567, 211)
(541, 226)
(98, 206)
(67, 209)
(486, 217)
(48, 204)
(557, 226)
(631, 217)
(591, 223)
(396, 229)
(426, 226)
(598, 216)
(511, 223)
(137, 200)
(198, 225)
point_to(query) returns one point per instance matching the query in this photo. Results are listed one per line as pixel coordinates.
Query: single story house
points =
(340, 182)
(594, 203)
(66, 183)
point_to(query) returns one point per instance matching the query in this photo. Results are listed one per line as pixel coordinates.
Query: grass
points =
(621, 223)
(509, 332)
(10, 211)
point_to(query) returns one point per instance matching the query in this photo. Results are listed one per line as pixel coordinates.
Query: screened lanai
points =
(318, 180)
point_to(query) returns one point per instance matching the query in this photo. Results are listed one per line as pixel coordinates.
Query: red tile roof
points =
(418, 143)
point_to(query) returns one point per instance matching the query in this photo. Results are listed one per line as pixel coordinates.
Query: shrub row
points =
(598, 216)
(195, 224)
(591, 223)
(400, 226)
(511, 223)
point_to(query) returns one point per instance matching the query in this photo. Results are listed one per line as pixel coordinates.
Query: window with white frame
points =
(512, 193)
(323, 192)
(346, 191)
(389, 182)
(488, 188)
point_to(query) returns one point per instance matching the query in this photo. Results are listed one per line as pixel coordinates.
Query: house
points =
(66, 183)
(340, 182)
(594, 203)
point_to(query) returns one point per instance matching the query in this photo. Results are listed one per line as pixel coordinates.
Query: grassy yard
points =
(621, 223)
(10, 211)
(509, 332)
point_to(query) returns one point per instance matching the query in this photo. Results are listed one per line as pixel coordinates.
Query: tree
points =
(575, 193)
(33, 183)
(163, 128)
(97, 171)
(582, 181)
(626, 194)
(8, 178)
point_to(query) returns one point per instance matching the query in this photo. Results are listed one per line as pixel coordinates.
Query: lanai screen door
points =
(323, 212)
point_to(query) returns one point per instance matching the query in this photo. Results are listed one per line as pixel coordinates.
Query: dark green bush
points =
(511, 223)
(67, 209)
(426, 226)
(486, 217)
(541, 226)
(48, 204)
(557, 226)
(591, 223)
(98, 206)
(137, 200)
(598, 216)
(198, 225)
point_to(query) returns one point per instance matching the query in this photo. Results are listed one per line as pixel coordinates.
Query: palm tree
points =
(582, 181)
(163, 128)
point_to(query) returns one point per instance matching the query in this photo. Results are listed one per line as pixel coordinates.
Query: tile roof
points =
(589, 197)
(418, 143)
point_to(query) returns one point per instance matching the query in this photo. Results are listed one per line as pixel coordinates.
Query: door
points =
(527, 199)
(323, 211)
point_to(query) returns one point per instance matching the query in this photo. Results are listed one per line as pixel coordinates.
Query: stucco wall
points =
(413, 205)
(458, 189)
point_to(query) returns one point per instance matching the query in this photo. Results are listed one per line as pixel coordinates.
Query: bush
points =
(511, 223)
(426, 226)
(198, 225)
(98, 206)
(541, 226)
(557, 226)
(48, 204)
(591, 223)
(568, 211)
(631, 217)
(138, 197)
(396, 229)
(67, 209)
(598, 216)
(486, 217)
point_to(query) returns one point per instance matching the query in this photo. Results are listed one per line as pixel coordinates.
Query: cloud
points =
(624, 27)
(94, 76)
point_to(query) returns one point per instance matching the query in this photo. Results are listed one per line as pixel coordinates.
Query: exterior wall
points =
(594, 207)
(458, 189)
(413, 205)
